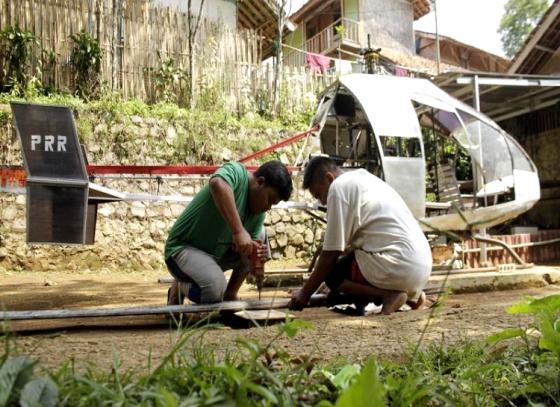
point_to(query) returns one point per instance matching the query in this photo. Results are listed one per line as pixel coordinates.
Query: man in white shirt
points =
(388, 257)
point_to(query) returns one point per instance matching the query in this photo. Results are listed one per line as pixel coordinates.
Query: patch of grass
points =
(522, 371)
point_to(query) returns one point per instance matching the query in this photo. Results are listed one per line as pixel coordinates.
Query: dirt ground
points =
(135, 339)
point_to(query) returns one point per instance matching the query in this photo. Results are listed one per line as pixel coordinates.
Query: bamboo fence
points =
(136, 36)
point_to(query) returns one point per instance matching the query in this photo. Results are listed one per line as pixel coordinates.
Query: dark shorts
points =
(346, 268)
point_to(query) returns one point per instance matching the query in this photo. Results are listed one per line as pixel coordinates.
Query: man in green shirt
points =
(217, 230)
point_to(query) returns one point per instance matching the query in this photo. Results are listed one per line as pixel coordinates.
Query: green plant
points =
(168, 79)
(86, 61)
(15, 52)
(46, 70)
(542, 341)
(340, 30)
(19, 386)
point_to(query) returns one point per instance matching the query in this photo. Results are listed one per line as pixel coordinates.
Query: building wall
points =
(214, 10)
(351, 9)
(389, 22)
(295, 39)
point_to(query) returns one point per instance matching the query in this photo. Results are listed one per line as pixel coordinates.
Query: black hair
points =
(317, 168)
(276, 175)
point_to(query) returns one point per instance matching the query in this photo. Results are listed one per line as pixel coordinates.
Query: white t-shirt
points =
(367, 215)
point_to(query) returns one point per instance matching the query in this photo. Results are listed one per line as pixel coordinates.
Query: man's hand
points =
(242, 242)
(262, 251)
(299, 300)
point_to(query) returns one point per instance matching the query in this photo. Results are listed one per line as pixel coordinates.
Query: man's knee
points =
(213, 292)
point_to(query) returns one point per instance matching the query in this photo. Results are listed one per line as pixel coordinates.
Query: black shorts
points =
(341, 271)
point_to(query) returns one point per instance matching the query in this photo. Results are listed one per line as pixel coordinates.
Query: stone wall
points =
(132, 235)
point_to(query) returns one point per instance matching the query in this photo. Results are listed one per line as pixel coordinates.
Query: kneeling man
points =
(218, 229)
(388, 258)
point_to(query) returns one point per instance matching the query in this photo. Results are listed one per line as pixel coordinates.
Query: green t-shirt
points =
(202, 226)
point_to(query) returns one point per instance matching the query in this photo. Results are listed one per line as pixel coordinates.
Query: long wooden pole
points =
(316, 300)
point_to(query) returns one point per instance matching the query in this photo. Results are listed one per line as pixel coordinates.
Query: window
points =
(394, 146)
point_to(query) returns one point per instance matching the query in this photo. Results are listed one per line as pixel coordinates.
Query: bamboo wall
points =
(135, 34)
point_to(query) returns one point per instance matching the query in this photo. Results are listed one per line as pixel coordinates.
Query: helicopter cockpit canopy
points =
(454, 167)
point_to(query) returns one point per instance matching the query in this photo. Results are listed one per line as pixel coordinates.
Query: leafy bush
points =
(472, 374)
(86, 62)
(15, 50)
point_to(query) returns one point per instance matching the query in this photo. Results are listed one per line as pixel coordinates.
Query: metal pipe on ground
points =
(316, 300)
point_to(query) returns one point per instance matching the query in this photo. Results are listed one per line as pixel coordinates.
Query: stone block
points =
(270, 232)
(297, 240)
(308, 236)
(9, 213)
(282, 240)
(275, 216)
(290, 252)
(170, 135)
(176, 210)
(280, 227)
(106, 210)
(138, 210)
(136, 120)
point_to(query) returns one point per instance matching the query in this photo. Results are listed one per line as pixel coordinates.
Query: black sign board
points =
(49, 142)
(57, 183)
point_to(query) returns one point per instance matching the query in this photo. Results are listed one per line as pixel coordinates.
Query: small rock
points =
(297, 240)
(154, 131)
(170, 135)
(275, 217)
(106, 210)
(282, 240)
(49, 283)
(280, 227)
(136, 120)
(176, 209)
(138, 210)
(226, 154)
(290, 252)
(9, 213)
(117, 128)
(270, 232)
(93, 148)
(296, 217)
(308, 236)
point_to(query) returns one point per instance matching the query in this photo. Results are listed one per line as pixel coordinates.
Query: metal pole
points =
(438, 56)
(479, 168)
(316, 300)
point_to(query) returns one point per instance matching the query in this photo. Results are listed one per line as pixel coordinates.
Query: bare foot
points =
(419, 303)
(393, 302)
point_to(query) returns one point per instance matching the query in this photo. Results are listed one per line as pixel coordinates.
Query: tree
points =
(520, 17)
(283, 8)
(193, 25)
